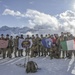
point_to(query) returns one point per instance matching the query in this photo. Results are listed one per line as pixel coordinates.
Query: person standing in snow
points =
(10, 47)
(38, 43)
(3, 50)
(7, 49)
(48, 49)
(58, 45)
(20, 51)
(27, 49)
(42, 48)
(16, 45)
(62, 39)
(69, 37)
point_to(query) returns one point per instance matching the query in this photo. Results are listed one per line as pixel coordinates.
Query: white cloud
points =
(65, 22)
(68, 21)
(12, 13)
(38, 18)
(67, 15)
(62, 22)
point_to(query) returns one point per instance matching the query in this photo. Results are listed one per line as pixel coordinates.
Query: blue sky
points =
(48, 7)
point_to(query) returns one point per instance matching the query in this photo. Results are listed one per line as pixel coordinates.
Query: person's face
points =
(27, 36)
(48, 35)
(32, 36)
(11, 37)
(21, 36)
(2, 36)
(17, 37)
(41, 36)
(62, 34)
(45, 35)
(51, 36)
(36, 35)
(7, 36)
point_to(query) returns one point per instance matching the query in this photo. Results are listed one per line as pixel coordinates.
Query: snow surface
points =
(48, 66)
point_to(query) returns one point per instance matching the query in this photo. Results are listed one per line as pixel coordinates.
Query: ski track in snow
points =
(10, 61)
(73, 71)
(70, 63)
(17, 60)
(4, 60)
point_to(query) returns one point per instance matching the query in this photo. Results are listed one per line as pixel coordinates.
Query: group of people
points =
(37, 49)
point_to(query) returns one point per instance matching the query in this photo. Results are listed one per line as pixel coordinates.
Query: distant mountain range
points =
(16, 30)
(26, 30)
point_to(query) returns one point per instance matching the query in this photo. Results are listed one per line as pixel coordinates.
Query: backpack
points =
(31, 67)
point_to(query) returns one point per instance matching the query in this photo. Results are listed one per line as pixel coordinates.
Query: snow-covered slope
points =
(48, 66)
